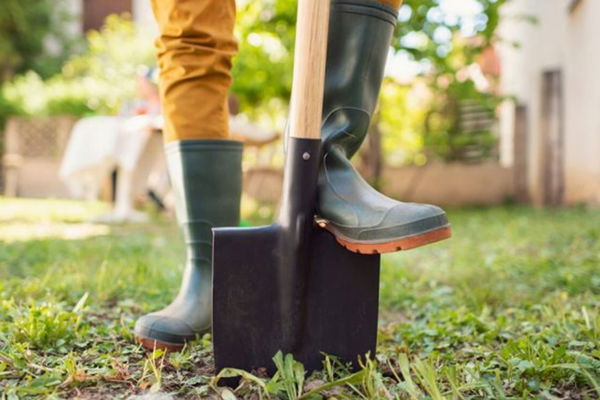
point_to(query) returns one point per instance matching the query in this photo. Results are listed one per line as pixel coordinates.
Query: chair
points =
(33, 149)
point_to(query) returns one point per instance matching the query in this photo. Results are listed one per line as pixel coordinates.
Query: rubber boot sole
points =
(398, 244)
(152, 344)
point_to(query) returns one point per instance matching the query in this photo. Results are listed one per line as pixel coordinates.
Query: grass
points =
(507, 309)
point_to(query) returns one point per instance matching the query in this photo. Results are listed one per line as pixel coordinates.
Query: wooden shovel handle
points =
(309, 69)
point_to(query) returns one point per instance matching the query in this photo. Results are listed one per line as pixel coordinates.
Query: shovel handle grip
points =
(309, 69)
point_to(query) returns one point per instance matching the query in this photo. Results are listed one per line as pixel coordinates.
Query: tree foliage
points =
(429, 36)
(426, 18)
(425, 34)
(99, 80)
(443, 46)
(32, 37)
(266, 31)
(263, 67)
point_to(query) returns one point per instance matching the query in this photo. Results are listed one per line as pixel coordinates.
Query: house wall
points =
(582, 117)
(563, 40)
(454, 184)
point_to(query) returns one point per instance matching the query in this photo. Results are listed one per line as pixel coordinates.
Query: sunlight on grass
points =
(27, 231)
(37, 211)
(27, 219)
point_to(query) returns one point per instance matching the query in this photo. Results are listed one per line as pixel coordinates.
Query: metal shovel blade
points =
(290, 286)
(337, 313)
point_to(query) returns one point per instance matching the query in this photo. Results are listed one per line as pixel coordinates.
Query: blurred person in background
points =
(129, 144)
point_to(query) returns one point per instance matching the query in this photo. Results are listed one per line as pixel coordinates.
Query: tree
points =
(266, 30)
(99, 80)
(424, 34)
(430, 37)
(264, 64)
(31, 37)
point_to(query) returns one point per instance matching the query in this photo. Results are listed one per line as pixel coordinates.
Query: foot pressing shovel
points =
(290, 286)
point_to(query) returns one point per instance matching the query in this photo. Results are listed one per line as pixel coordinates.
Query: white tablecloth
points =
(98, 145)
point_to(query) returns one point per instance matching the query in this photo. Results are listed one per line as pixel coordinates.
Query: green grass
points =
(507, 309)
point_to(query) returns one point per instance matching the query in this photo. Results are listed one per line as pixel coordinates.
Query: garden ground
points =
(508, 308)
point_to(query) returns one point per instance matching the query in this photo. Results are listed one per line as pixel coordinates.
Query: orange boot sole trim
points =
(405, 243)
(152, 344)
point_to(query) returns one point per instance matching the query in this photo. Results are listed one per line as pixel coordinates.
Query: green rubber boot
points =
(362, 219)
(206, 178)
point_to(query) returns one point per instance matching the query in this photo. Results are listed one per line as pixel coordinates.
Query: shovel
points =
(290, 286)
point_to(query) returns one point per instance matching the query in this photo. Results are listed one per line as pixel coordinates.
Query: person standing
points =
(195, 49)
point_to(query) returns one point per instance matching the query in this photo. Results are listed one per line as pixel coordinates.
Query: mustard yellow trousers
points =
(194, 49)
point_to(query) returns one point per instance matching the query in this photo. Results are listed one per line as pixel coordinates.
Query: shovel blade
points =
(339, 309)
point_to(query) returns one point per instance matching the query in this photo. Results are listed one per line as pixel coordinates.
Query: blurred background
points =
(485, 102)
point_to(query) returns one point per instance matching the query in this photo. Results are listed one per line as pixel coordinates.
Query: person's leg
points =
(362, 219)
(194, 53)
(123, 210)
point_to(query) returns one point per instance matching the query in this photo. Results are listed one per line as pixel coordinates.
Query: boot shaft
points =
(206, 178)
(360, 34)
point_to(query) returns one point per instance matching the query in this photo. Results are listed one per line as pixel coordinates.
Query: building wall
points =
(582, 116)
(563, 40)
(454, 184)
